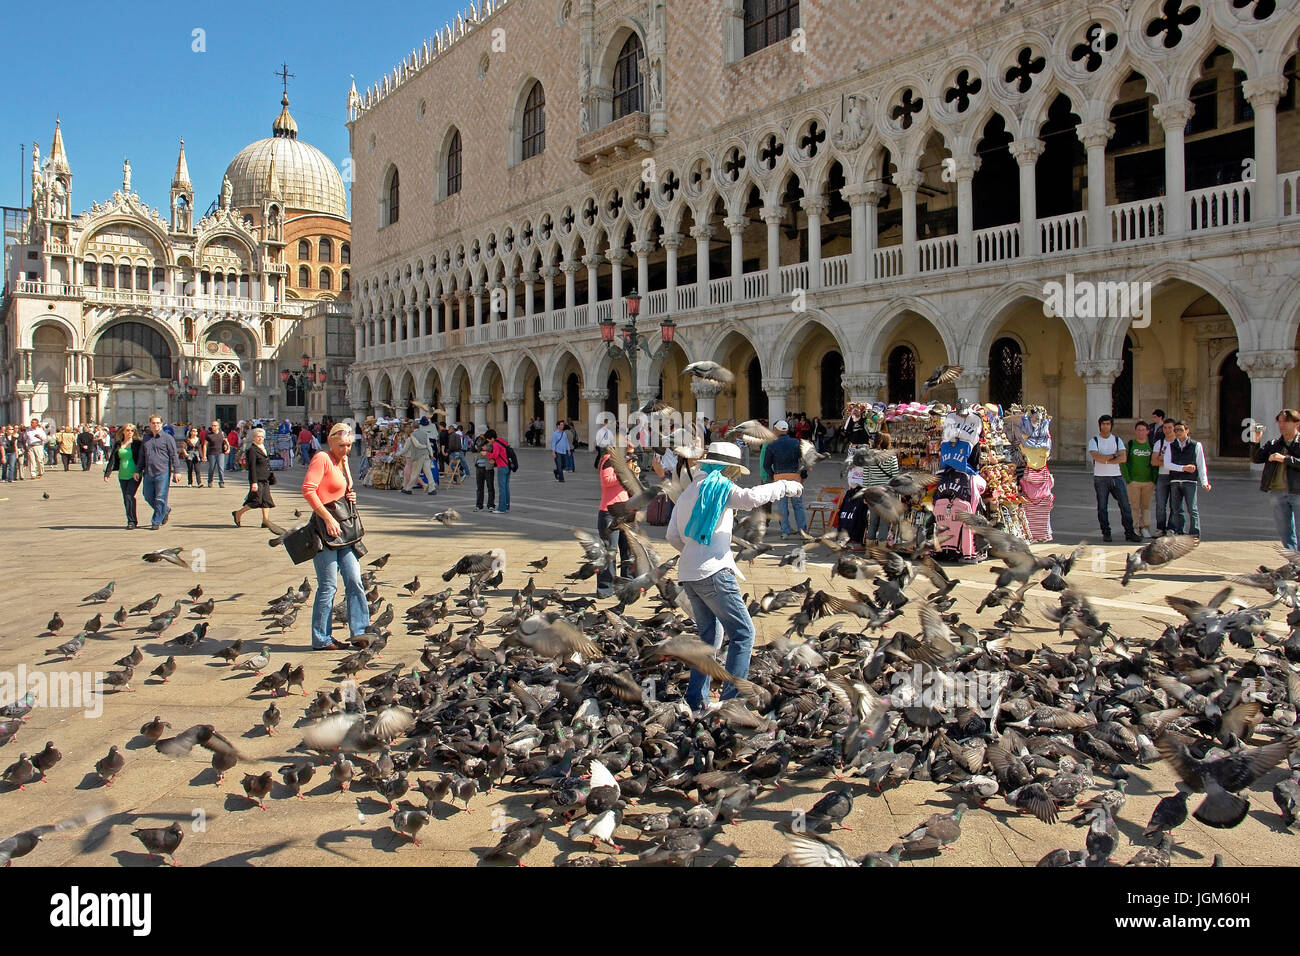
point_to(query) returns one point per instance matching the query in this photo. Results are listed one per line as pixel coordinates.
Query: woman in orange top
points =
(611, 492)
(328, 479)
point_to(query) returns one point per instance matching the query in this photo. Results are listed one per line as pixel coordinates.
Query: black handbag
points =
(302, 543)
(350, 529)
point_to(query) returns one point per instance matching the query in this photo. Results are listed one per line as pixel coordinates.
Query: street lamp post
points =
(309, 379)
(632, 341)
(184, 393)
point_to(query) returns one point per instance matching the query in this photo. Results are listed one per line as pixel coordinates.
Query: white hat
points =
(781, 426)
(724, 453)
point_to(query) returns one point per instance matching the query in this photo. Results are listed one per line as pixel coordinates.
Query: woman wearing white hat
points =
(700, 528)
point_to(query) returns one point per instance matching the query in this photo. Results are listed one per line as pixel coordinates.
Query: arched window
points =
(627, 78)
(226, 380)
(1006, 372)
(133, 345)
(345, 253)
(268, 332)
(611, 398)
(768, 22)
(345, 281)
(757, 397)
(304, 250)
(535, 121)
(326, 250)
(832, 386)
(1121, 391)
(325, 282)
(451, 165)
(304, 277)
(390, 203)
(571, 396)
(902, 375)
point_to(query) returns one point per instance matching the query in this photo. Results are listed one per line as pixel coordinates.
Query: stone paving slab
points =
(73, 543)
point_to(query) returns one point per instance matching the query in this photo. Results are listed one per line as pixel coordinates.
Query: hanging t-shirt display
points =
(965, 428)
(956, 454)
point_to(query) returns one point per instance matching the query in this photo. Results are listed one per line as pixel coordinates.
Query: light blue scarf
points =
(714, 493)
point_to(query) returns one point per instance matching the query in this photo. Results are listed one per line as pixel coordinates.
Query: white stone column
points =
(551, 409)
(706, 396)
(1094, 137)
(511, 281)
(1098, 377)
(1026, 153)
(570, 269)
(964, 168)
(1267, 371)
(1263, 94)
(477, 292)
(642, 251)
(971, 382)
(814, 208)
(736, 227)
(863, 386)
(908, 181)
(702, 235)
(857, 197)
(530, 283)
(592, 263)
(595, 399)
(671, 241)
(615, 257)
(480, 403)
(548, 290)
(773, 219)
(778, 391)
(1173, 117)
(514, 412)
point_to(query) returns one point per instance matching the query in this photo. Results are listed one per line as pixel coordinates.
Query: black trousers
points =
(129, 489)
(615, 539)
(485, 478)
(192, 476)
(85, 460)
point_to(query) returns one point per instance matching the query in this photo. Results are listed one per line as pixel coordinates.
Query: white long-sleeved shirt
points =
(700, 561)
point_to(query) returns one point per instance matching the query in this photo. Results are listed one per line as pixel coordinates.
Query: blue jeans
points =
(615, 542)
(1107, 486)
(304, 449)
(155, 488)
(215, 464)
(14, 466)
(1180, 492)
(1286, 514)
(345, 561)
(1162, 502)
(719, 609)
(503, 489)
(230, 458)
(800, 516)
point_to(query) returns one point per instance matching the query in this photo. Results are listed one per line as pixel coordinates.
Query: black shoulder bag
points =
(345, 513)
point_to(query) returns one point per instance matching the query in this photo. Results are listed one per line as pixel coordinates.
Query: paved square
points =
(72, 543)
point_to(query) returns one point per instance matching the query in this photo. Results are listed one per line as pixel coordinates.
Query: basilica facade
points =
(122, 311)
(1090, 207)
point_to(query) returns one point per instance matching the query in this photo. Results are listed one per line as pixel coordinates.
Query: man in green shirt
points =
(1140, 476)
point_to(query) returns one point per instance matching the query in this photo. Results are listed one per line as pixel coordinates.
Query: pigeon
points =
(517, 839)
(165, 669)
(1286, 794)
(255, 663)
(9, 730)
(56, 624)
(446, 518)
(939, 830)
(831, 810)
(1103, 837)
(1157, 855)
(412, 586)
(710, 372)
(195, 592)
(256, 787)
(70, 648)
(204, 735)
(94, 624)
(21, 844)
(486, 562)
(155, 728)
(379, 562)
(411, 822)
(941, 376)
(203, 609)
(120, 616)
(47, 758)
(342, 772)
(108, 767)
(1159, 552)
(144, 607)
(19, 773)
(271, 718)
(20, 708)
(231, 652)
(295, 776)
(161, 841)
(170, 555)
(102, 595)
(1170, 812)
(131, 660)
(275, 681)
(120, 678)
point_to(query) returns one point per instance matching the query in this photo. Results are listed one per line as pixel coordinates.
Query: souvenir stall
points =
(915, 434)
(1034, 439)
(1003, 497)
(387, 465)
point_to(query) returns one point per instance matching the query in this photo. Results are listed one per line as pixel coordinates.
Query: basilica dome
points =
(307, 180)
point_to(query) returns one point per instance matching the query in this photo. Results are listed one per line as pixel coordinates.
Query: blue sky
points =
(127, 83)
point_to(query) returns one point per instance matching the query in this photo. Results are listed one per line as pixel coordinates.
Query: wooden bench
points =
(824, 507)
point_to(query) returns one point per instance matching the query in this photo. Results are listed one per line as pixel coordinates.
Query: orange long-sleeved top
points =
(324, 481)
(611, 489)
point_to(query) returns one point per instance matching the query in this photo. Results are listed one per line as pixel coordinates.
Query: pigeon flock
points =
(571, 712)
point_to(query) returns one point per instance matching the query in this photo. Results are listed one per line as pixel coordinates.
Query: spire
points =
(284, 124)
(272, 181)
(182, 178)
(58, 159)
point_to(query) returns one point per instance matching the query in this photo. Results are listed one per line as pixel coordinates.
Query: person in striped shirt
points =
(879, 468)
